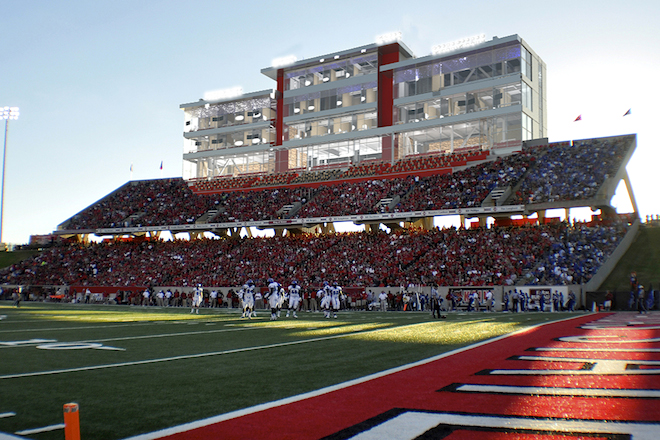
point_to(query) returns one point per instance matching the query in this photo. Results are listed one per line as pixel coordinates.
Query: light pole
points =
(6, 113)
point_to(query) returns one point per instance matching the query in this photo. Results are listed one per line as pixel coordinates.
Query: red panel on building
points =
(387, 54)
(279, 97)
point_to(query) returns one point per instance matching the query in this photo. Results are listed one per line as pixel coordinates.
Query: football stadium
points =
(229, 304)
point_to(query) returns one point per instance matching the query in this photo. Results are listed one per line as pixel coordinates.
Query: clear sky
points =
(99, 83)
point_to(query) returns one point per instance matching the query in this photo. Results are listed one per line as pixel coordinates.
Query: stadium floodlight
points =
(6, 113)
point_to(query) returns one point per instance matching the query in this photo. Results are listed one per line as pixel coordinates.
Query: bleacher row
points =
(537, 255)
(414, 163)
(556, 172)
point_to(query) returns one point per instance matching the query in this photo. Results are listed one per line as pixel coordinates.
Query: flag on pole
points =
(629, 112)
(161, 164)
(131, 168)
(579, 118)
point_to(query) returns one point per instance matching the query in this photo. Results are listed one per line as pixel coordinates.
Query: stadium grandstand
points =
(374, 136)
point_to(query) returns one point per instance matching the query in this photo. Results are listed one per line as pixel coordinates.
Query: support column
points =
(541, 216)
(631, 195)
(328, 228)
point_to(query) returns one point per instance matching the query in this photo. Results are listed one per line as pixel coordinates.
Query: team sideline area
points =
(139, 370)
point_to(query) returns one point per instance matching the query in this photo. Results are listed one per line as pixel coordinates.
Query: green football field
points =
(134, 370)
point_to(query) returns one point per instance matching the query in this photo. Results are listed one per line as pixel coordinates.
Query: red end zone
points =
(595, 376)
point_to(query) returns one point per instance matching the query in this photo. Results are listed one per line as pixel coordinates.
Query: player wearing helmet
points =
(273, 296)
(335, 294)
(325, 300)
(294, 298)
(198, 297)
(248, 300)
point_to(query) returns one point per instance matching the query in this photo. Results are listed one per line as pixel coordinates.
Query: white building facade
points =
(374, 102)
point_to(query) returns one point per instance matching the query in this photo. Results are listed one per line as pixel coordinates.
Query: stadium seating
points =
(550, 173)
(571, 172)
(556, 254)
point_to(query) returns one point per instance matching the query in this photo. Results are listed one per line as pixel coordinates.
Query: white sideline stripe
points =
(559, 391)
(7, 414)
(264, 406)
(613, 350)
(38, 430)
(182, 357)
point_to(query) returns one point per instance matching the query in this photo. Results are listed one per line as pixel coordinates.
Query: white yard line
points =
(183, 357)
(38, 430)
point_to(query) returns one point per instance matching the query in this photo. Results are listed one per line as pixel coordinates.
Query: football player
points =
(294, 298)
(248, 300)
(335, 298)
(273, 296)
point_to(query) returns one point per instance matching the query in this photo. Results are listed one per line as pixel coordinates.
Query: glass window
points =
(507, 95)
(461, 76)
(513, 66)
(526, 59)
(480, 100)
(330, 71)
(527, 131)
(526, 96)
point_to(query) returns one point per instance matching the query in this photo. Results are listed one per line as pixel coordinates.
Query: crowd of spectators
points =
(317, 176)
(275, 179)
(256, 205)
(346, 198)
(571, 172)
(552, 254)
(434, 161)
(542, 174)
(366, 169)
(466, 188)
(225, 183)
(130, 199)
(582, 251)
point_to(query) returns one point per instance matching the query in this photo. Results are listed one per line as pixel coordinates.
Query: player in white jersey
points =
(335, 298)
(198, 296)
(325, 299)
(284, 296)
(294, 298)
(248, 299)
(273, 296)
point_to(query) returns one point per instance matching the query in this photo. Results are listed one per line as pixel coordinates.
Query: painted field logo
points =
(600, 360)
(403, 424)
(52, 344)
